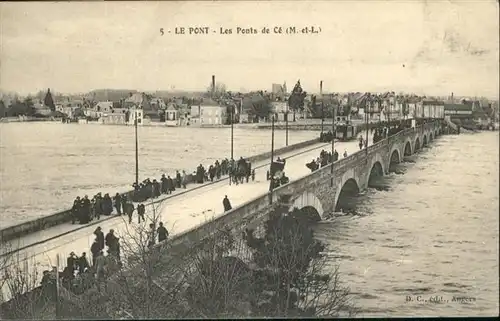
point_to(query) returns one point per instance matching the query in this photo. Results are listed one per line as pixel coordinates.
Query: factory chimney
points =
(321, 88)
(213, 86)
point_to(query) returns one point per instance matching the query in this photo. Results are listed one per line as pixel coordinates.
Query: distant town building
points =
(104, 107)
(172, 116)
(279, 108)
(458, 113)
(133, 114)
(210, 113)
(113, 119)
(157, 103)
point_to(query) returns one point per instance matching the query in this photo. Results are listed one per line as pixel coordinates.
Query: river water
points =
(432, 235)
(44, 166)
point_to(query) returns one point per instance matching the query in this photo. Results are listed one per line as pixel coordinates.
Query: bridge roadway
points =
(178, 212)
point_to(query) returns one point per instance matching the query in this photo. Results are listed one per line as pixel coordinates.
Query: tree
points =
(48, 101)
(218, 92)
(133, 288)
(291, 272)
(18, 108)
(3, 109)
(296, 99)
(219, 282)
(20, 277)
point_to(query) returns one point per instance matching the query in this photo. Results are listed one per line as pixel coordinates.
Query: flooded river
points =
(432, 236)
(44, 166)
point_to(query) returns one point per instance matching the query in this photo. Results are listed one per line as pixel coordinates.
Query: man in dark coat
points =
(141, 210)
(164, 189)
(226, 203)
(99, 237)
(95, 249)
(71, 262)
(170, 184)
(111, 242)
(162, 233)
(157, 188)
(129, 210)
(124, 203)
(83, 263)
(75, 210)
(118, 203)
(107, 205)
(178, 179)
(85, 215)
(98, 206)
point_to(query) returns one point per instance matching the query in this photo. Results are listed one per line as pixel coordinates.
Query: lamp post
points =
(322, 105)
(334, 134)
(367, 132)
(232, 128)
(271, 180)
(286, 123)
(322, 116)
(136, 152)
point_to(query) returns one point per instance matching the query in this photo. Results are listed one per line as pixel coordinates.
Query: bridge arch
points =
(349, 190)
(424, 144)
(376, 172)
(394, 159)
(310, 205)
(417, 145)
(407, 150)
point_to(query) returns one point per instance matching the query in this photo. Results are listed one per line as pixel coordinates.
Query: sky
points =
(432, 47)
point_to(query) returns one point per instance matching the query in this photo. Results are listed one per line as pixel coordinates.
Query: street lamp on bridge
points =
(333, 139)
(271, 178)
(136, 151)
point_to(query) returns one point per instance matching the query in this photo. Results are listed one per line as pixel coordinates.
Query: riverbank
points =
(22, 119)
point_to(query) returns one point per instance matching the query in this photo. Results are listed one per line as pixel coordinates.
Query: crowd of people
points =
(385, 130)
(324, 159)
(79, 275)
(85, 210)
(381, 132)
(326, 137)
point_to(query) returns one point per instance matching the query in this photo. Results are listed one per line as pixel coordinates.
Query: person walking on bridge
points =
(75, 211)
(184, 179)
(227, 204)
(118, 203)
(162, 233)
(141, 210)
(124, 203)
(99, 237)
(95, 249)
(129, 210)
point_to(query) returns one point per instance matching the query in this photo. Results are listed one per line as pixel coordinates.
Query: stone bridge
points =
(324, 190)
(321, 192)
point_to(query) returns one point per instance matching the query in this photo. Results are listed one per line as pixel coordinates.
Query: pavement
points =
(181, 211)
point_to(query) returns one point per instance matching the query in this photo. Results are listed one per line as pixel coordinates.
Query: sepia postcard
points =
(249, 159)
